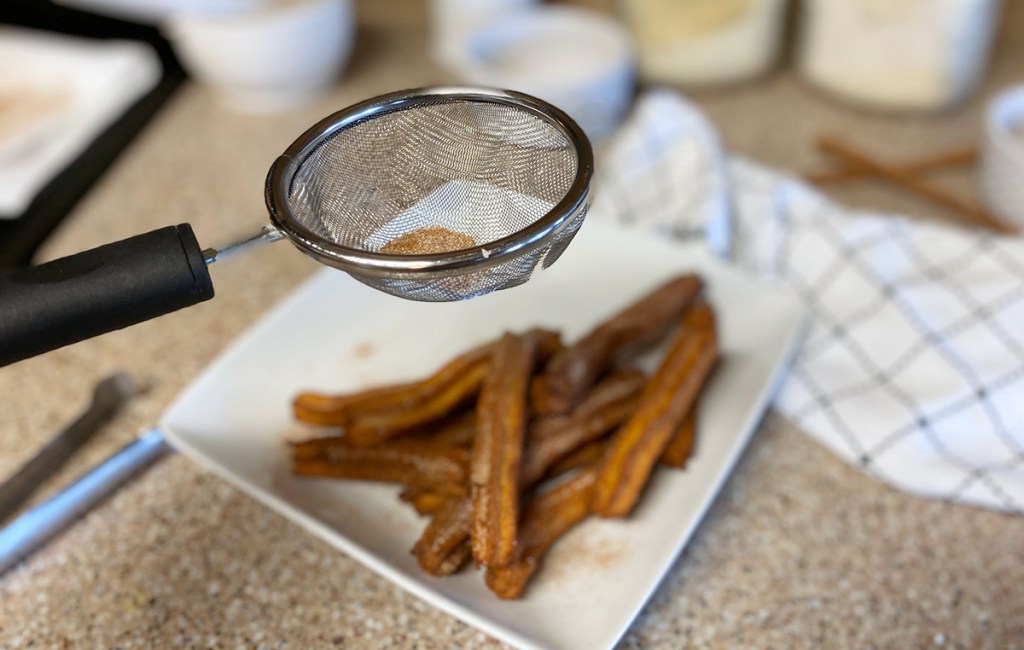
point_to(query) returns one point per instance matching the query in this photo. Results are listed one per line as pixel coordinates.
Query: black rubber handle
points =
(76, 297)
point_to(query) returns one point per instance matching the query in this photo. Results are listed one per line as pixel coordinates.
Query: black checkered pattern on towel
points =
(913, 367)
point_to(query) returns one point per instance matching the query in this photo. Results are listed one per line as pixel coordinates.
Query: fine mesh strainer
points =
(504, 175)
(505, 169)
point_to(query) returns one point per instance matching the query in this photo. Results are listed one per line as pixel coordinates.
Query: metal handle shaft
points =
(107, 398)
(266, 235)
(38, 525)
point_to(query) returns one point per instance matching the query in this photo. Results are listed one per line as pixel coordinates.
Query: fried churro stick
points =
(586, 455)
(546, 518)
(339, 410)
(606, 407)
(680, 447)
(609, 404)
(457, 431)
(427, 501)
(444, 545)
(333, 410)
(409, 463)
(456, 559)
(423, 500)
(668, 396)
(316, 447)
(619, 386)
(370, 427)
(497, 450)
(575, 369)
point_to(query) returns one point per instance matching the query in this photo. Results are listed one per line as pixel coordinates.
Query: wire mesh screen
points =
(483, 169)
(505, 275)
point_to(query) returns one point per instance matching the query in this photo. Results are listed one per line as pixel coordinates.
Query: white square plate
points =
(335, 334)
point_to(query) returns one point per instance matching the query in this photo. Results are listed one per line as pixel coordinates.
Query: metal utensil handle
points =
(107, 398)
(100, 290)
(267, 234)
(38, 525)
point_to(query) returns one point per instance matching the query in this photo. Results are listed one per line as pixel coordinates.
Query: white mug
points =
(1001, 172)
(456, 20)
(273, 57)
(579, 60)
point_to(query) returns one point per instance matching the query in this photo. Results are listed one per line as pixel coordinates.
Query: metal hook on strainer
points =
(502, 177)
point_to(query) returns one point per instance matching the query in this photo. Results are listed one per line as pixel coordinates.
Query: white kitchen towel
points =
(57, 94)
(913, 367)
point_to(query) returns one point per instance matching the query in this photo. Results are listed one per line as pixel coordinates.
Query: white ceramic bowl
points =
(581, 61)
(1001, 172)
(275, 56)
(453, 21)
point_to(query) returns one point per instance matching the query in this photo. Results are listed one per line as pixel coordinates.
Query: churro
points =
(376, 403)
(333, 410)
(585, 455)
(367, 429)
(443, 546)
(680, 446)
(552, 438)
(511, 444)
(571, 372)
(669, 395)
(497, 450)
(455, 431)
(409, 463)
(546, 518)
(424, 501)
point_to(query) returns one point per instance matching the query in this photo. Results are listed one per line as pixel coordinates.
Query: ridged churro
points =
(606, 407)
(376, 403)
(408, 463)
(571, 372)
(547, 517)
(497, 450)
(668, 397)
(680, 446)
(511, 444)
(439, 549)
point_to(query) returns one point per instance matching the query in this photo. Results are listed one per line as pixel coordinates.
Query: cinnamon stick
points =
(852, 171)
(915, 184)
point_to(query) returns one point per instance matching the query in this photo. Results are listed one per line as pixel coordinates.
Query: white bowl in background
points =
(1001, 172)
(275, 56)
(453, 21)
(581, 61)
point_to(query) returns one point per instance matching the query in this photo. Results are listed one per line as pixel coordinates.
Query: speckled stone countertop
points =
(798, 551)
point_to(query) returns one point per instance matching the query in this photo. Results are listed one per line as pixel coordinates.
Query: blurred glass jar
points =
(705, 42)
(897, 54)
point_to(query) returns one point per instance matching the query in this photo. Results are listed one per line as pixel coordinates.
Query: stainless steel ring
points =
(370, 263)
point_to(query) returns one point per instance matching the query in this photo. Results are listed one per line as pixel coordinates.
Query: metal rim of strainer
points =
(539, 233)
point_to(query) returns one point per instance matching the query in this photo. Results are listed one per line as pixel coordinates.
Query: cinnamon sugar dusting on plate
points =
(433, 239)
(364, 350)
(581, 554)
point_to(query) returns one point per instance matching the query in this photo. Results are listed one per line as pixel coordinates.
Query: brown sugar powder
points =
(433, 239)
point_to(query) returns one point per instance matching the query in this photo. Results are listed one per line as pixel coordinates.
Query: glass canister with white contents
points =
(705, 42)
(897, 54)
